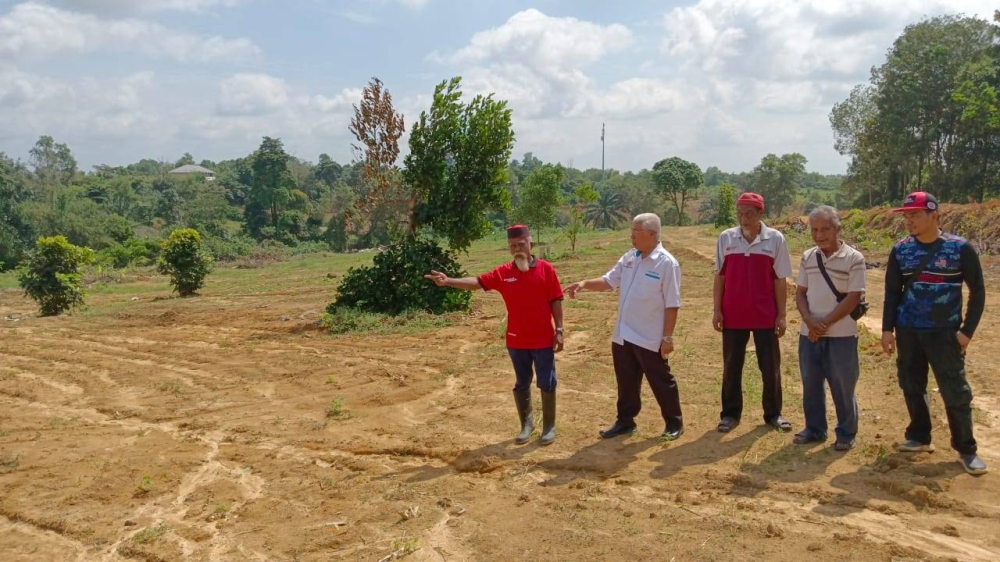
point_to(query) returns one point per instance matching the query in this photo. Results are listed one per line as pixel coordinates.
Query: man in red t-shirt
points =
(531, 290)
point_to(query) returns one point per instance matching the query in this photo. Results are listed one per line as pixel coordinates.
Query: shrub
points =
(52, 276)
(134, 251)
(395, 281)
(185, 261)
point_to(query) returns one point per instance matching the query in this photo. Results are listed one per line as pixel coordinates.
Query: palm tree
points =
(607, 211)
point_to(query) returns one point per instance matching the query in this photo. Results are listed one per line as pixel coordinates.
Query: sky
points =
(718, 82)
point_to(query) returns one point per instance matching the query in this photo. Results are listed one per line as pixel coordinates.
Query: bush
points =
(52, 276)
(185, 261)
(395, 281)
(134, 251)
(229, 247)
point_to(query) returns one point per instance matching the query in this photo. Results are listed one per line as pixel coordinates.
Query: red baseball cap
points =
(751, 199)
(517, 231)
(918, 201)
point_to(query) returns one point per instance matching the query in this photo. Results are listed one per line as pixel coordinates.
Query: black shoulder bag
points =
(862, 307)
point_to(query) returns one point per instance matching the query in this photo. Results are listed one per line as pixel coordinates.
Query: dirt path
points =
(228, 427)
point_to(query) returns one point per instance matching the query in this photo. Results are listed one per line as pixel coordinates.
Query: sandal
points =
(781, 424)
(727, 424)
(843, 445)
(806, 437)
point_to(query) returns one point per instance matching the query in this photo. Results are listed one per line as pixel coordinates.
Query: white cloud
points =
(341, 102)
(543, 42)
(414, 4)
(33, 30)
(252, 94)
(151, 5)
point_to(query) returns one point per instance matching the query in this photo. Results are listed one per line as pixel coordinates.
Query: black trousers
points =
(631, 362)
(941, 350)
(734, 350)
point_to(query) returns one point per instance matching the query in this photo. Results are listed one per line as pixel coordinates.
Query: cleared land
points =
(231, 427)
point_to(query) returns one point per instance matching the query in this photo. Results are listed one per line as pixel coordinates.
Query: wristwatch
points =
(559, 330)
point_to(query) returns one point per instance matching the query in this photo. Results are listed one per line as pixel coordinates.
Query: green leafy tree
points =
(777, 179)
(677, 180)
(53, 162)
(607, 211)
(539, 197)
(272, 186)
(16, 230)
(184, 260)
(455, 173)
(51, 276)
(726, 214)
(457, 165)
(584, 194)
(923, 122)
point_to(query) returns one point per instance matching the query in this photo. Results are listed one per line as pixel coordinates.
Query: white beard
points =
(522, 263)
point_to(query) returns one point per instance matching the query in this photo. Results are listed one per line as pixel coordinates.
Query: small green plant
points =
(52, 276)
(184, 260)
(174, 387)
(150, 534)
(404, 547)
(146, 485)
(9, 463)
(336, 410)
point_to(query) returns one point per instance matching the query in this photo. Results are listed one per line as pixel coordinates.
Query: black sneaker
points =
(618, 429)
(973, 464)
(671, 434)
(914, 446)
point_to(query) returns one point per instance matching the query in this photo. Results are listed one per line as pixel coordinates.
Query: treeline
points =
(929, 117)
(271, 199)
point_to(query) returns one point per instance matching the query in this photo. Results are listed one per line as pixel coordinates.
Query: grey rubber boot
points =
(548, 418)
(522, 398)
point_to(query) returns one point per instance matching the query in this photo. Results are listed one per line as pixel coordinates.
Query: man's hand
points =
(572, 289)
(780, 326)
(717, 321)
(815, 325)
(963, 340)
(666, 348)
(439, 279)
(557, 343)
(888, 343)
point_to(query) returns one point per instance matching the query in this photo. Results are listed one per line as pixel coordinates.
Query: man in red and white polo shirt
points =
(531, 290)
(751, 265)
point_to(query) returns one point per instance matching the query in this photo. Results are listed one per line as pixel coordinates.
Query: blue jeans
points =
(544, 361)
(833, 361)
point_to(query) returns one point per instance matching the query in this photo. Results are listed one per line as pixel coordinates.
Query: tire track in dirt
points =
(174, 512)
(50, 537)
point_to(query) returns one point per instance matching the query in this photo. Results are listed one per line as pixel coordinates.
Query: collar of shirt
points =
(657, 252)
(839, 254)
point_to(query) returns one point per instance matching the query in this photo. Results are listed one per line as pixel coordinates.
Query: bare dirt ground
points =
(230, 427)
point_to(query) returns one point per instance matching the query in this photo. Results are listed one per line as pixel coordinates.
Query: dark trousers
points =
(734, 350)
(544, 361)
(939, 348)
(631, 362)
(833, 362)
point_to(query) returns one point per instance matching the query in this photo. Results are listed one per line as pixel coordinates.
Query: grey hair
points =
(825, 212)
(650, 222)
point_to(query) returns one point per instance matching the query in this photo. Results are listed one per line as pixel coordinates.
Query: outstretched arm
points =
(464, 283)
(595, 284)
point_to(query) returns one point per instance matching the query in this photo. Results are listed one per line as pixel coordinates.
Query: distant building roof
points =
(191, 169)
